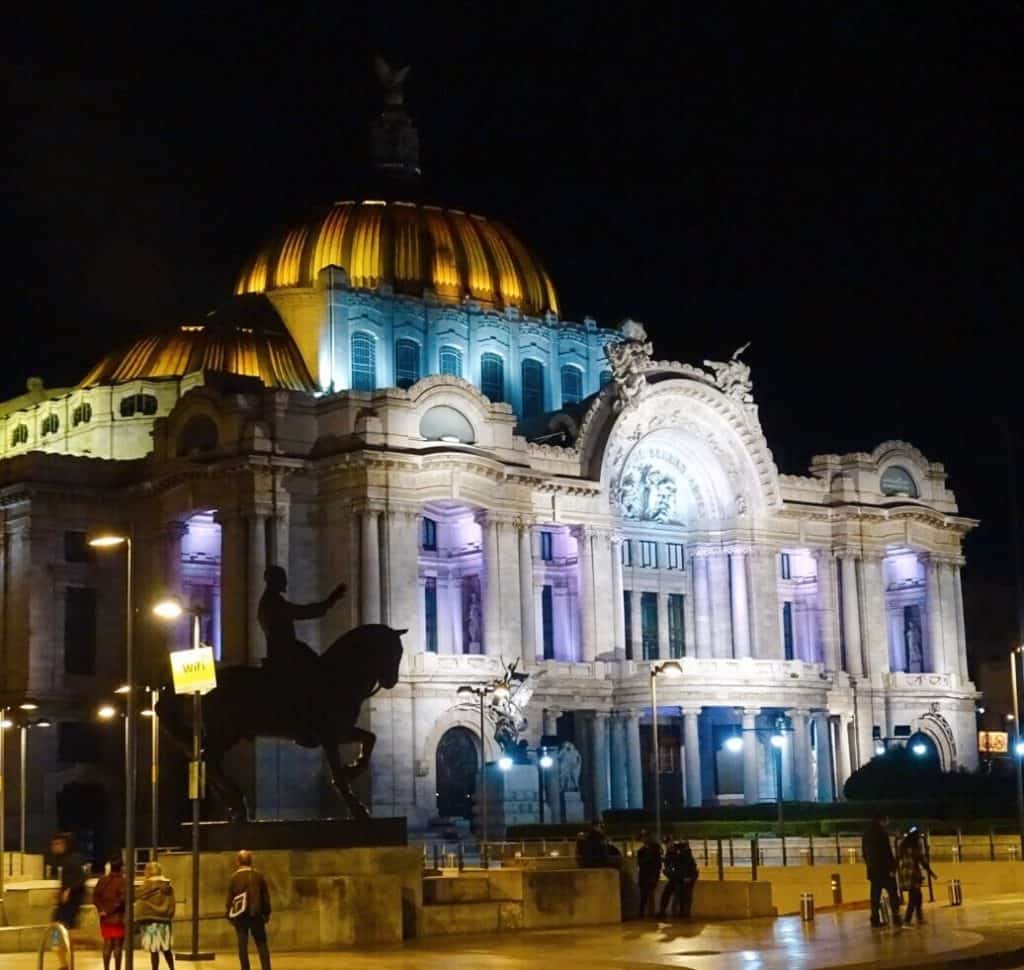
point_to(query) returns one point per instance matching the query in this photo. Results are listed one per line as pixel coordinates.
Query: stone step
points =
(478, 917)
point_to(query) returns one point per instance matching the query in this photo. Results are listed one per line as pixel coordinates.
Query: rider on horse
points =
(287, 656)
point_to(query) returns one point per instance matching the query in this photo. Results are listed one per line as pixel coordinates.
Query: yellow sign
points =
(193, 671)
(993, 742)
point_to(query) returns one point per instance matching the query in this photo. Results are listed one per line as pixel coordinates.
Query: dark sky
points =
(838, 182)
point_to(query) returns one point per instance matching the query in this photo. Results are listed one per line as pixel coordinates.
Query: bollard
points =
(837, 888)
(807, 907)
(956, 895)
(851, 856)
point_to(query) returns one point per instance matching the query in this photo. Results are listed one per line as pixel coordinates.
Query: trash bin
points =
(807, 907)
(851, 856)
(956, 895)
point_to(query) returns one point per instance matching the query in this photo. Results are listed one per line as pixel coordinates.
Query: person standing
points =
(648, 864)
(154, 913)
(881, 866)
(248, 910)
(108, 897)
(913, 866)
(681, 872)
(72, 889)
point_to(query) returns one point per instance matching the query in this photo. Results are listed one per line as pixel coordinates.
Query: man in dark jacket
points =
(881, 865)
(648, 866)
(248, 909)
(681, 872)
(71, 869)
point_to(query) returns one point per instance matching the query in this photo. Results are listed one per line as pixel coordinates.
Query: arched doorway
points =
(458, 762)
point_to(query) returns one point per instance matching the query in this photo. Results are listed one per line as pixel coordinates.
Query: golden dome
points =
(244, 337)
(412, 248)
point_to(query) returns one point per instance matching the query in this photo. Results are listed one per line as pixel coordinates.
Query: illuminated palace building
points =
(392, 399)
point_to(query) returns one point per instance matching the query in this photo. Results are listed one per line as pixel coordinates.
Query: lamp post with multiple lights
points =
(670, 668)
(481, 692)
(6, 723)
(113, 540)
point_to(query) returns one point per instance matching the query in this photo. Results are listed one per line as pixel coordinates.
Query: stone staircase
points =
(476, 902)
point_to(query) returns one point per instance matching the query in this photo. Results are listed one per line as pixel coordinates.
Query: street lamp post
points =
(110, 540)
(670, 668)
(23, 780)
(4, 724)
(544, 761)
(1014, 653)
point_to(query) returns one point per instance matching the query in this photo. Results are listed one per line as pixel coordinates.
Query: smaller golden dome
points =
(411, 248)
(244, 337)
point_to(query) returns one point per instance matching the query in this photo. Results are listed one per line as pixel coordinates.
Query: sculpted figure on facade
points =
(647, 494)
(628, 359)
(732, 376)
(569, 764)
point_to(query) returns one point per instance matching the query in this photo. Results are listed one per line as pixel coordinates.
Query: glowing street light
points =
(734, 744)
(920, 749)
(1019, 749)
(879, 749)
(778, 741)
(505, 763)
(546, 761)
(107, 712)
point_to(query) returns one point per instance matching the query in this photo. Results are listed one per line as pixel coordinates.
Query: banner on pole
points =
(194, 671)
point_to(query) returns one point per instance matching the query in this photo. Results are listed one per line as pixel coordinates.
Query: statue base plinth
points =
(324, 833)
(572, 807)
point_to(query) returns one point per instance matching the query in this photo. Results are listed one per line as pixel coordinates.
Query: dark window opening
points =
(80, 630)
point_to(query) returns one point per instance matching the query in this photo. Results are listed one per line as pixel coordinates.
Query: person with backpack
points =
(154, 913)
(913, 866)
(681, 872)
(248, 910)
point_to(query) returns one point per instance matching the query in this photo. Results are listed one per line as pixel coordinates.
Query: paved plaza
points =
(988, 933)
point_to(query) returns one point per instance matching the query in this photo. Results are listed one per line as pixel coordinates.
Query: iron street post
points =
(1016, 741)
(670, 668)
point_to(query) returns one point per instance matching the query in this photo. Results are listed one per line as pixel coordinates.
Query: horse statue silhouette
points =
(299, 695)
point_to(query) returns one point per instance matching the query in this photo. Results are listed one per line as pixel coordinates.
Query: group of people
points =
(680, 867)
(892, 872)
(247, 906)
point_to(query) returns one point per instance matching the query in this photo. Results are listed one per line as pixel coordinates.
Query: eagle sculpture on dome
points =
(391, 79)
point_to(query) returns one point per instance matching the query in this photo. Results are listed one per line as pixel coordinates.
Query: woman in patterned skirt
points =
(154, 911)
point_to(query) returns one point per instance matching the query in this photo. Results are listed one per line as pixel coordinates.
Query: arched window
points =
(896, 480)
(20, 435)
(572, 384)
(51, 424)
(533, 388)
(138, 404)
(492, 377)
(364, 362)
(407, 363)
(451, 361)
(81, 415)
(606, 377)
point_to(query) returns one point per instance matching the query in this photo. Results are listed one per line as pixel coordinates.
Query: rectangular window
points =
(785, 568)
(648, 554)
(674, 555)
(676, 634)
(78, 742)
(787, 629)
(430, 613)
(79, 630)
(627, 608)
(627, 552)
(547, 614)
(76, 549)
(546, 547)
(649, 624)
(429, 535)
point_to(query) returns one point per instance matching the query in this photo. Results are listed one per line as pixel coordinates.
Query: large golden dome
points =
(244, 337)
(411, 247)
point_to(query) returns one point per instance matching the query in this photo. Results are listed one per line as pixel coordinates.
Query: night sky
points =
(838, 183)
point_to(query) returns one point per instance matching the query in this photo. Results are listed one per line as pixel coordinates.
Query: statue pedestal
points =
(512, 799)
(572, 807)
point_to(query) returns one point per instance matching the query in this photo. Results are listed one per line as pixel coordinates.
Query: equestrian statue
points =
(299, 695)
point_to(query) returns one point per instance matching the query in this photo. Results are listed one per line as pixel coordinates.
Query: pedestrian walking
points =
(881, 866)
(154, 913)
(108, 897)
(913, 867)
(648, 864)
(248, 910)
(681, 872)
(71, 873)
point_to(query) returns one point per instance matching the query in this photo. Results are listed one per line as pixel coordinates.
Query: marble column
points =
(740, 605)
(456, 612)
(802, 778)
(691, 744)
(948, 584)
(636, 622)
(961, 630)
(257, 563)
(828, 607)
(663, 648)
(510, 600)
(936, 647)
(619, 762)
(764, 597)
(552, 790)
(233, 573)
(844, 758)
(702, 606)
(527, 595)
(851, 617)
(587, 595)
(369, 566)
(599, 762)
(823, 737)
(492, 589)
(876, 627)
(177, 636)
(718, 596)
(279, 547)
(618, 607)
(634, 759)
(751, 747)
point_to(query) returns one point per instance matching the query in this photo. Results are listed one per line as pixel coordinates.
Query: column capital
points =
(688, 709)
(751, 711)
(601, 715)
(804, 712)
